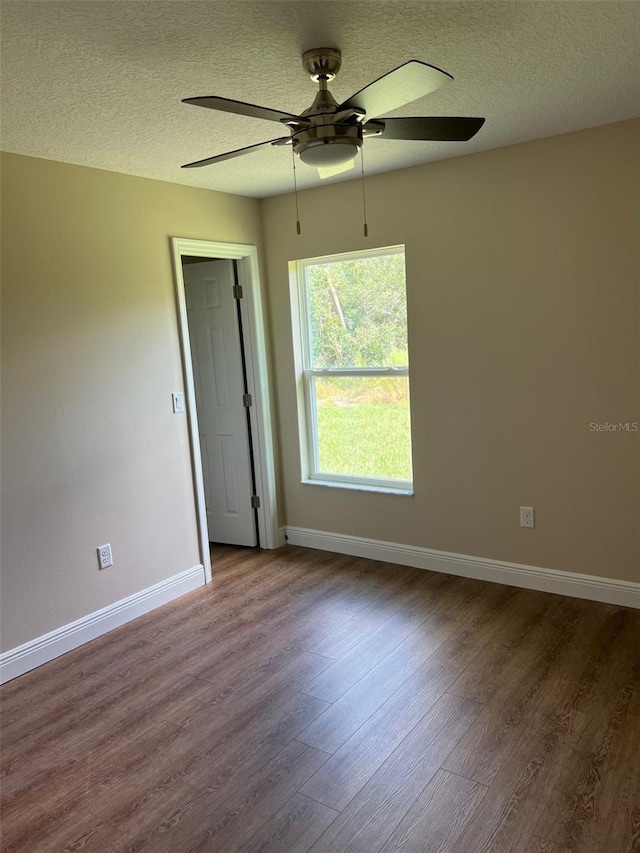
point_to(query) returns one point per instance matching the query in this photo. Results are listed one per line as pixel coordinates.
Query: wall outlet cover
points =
(105, 557)
(527, 516)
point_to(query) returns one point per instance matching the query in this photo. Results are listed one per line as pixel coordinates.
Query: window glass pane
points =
(363, 426)
(358, 312)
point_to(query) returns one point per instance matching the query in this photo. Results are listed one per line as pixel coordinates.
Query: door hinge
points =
(237, 291)
(247, 402)
(255, 502)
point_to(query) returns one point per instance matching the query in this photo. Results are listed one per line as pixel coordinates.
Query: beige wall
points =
(90, 355)
(523, 286)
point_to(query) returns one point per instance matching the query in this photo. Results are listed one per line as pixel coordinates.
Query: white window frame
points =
(306, 376)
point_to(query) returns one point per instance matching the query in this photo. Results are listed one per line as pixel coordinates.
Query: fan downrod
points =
(322, 63)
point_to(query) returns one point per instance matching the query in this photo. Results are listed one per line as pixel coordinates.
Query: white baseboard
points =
(573, 584)
(49, 646)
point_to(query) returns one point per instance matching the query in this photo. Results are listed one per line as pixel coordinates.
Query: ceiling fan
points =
(329, 135)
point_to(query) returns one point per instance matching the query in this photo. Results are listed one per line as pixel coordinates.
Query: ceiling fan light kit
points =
(328, 135)
(327, 146)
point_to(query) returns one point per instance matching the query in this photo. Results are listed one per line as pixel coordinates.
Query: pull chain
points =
(364, 199)
(295, 189)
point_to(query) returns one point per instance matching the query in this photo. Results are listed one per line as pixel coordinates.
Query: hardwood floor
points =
(305, 701)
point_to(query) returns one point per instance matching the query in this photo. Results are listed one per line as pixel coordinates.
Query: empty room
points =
(320, 436)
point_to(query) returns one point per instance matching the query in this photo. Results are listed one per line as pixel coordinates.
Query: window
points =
(350, 316)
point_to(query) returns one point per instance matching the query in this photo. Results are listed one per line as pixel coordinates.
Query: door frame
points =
(257, 379)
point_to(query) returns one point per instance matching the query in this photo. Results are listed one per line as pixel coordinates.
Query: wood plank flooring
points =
(305, 702)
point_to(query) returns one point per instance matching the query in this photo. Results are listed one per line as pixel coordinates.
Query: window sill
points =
(358, 487)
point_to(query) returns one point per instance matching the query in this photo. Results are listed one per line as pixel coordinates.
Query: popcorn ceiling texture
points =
(100, 83)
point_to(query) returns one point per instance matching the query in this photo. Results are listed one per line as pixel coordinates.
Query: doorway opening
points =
(226, 393)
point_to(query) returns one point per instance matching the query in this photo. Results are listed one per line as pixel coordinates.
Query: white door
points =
(222, 418)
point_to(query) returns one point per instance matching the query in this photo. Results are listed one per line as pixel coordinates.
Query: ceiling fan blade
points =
(226, 105)
(410, 81)
(228, 155)
(330, 171)
(436, 129)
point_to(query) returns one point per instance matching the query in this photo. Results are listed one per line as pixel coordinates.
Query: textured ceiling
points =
(100, 83)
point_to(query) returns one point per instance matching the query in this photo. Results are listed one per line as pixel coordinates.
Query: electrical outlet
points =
(527, 516)
(105, 557)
